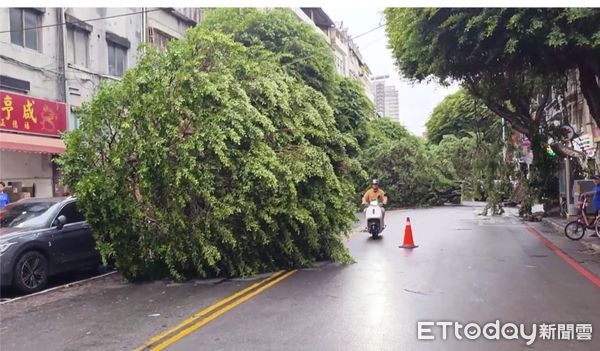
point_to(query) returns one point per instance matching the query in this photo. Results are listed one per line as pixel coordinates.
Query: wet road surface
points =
(466, 269)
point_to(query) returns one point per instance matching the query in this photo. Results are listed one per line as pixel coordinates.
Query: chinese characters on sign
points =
(562, 331)
(585, 143)
(431, 330)
(25, 114)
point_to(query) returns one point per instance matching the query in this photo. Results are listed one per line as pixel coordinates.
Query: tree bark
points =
(590, 87)
(568, 151)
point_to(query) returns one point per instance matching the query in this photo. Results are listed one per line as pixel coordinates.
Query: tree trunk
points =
(590, 87)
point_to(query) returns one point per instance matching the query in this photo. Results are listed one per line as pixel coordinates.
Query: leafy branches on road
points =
(406, 167)
(470, 141)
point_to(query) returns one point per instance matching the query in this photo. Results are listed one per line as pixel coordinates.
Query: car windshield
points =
(26, 215)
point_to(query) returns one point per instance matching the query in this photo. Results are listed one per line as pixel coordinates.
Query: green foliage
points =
(351, 109)
(382, 130)
(305, 55)
(500, 54)
(407, 170)
(469, 140)
(460, 114)
(456, 154)
(510, 59)
(467, 45)
(212, 159)
(302, 52)
(454, 42)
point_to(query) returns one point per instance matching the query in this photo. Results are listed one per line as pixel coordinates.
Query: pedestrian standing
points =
(4, 199)
(596, 196)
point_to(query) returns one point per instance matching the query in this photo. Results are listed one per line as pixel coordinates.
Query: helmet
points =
(375, 182)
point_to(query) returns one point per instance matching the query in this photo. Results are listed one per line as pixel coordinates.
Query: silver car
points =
(41, 237)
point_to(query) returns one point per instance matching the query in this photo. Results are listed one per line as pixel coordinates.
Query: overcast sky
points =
(416, 100)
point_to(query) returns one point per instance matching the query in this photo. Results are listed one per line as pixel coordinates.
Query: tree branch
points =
(590, 87)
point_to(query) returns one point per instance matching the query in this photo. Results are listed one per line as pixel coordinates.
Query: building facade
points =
(51, 61)
(581, 151)
(346, 54)
(359, 70)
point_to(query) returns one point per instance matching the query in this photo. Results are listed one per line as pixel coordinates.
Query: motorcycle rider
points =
(375, 193)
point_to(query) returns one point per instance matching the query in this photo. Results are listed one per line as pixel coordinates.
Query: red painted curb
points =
(560, 253)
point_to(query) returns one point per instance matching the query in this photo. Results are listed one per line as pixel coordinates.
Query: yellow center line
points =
(208, 310)
(170, 341)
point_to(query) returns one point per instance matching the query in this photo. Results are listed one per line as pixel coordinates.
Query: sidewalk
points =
(558, 224)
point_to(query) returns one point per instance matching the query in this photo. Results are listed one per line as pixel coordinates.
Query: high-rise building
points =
(386, 98)
(391, 103)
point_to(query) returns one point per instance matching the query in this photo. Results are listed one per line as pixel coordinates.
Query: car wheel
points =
(31, 272)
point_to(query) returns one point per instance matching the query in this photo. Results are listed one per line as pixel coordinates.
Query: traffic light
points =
(550, 151)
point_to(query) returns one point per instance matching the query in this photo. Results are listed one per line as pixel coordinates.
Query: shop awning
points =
(31, 143)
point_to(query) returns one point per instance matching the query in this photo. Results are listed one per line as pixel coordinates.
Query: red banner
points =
(25, 114)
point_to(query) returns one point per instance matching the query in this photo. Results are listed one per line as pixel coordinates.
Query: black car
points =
(41, 237)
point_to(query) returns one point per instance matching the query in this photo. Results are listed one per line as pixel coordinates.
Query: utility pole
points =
(504, 140)
(568, 184)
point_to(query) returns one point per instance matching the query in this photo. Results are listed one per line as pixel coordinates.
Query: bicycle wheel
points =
(575, 230)
(597, 227)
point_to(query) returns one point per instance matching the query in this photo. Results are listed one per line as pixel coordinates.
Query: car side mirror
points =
(61, 221)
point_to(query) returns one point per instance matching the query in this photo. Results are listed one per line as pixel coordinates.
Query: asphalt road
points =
(466, 269)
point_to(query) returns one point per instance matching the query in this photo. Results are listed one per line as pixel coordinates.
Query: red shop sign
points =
(25, 114)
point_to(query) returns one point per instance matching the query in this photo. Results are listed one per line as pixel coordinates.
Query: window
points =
(77, 46)
(117, 56)
(73, 215)
(340, 65)
(159, 38)
(20, 21)
(76, 118)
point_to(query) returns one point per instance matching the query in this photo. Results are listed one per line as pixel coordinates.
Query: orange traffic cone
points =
(408, 238)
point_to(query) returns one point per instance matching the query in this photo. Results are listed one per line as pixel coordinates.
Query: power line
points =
(372, 42)
(367, 32)
(87, 20)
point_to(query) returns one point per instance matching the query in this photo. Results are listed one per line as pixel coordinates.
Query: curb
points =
(64, 286)
(559, 229)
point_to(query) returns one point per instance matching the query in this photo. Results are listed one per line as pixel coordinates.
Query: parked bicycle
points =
(575, 230)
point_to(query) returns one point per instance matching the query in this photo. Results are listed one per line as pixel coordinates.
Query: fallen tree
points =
(210, 159)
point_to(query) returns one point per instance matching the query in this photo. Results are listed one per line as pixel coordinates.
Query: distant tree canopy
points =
(513, 60)
(460, 115)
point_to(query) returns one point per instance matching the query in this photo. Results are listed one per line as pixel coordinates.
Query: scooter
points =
(374, 216)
